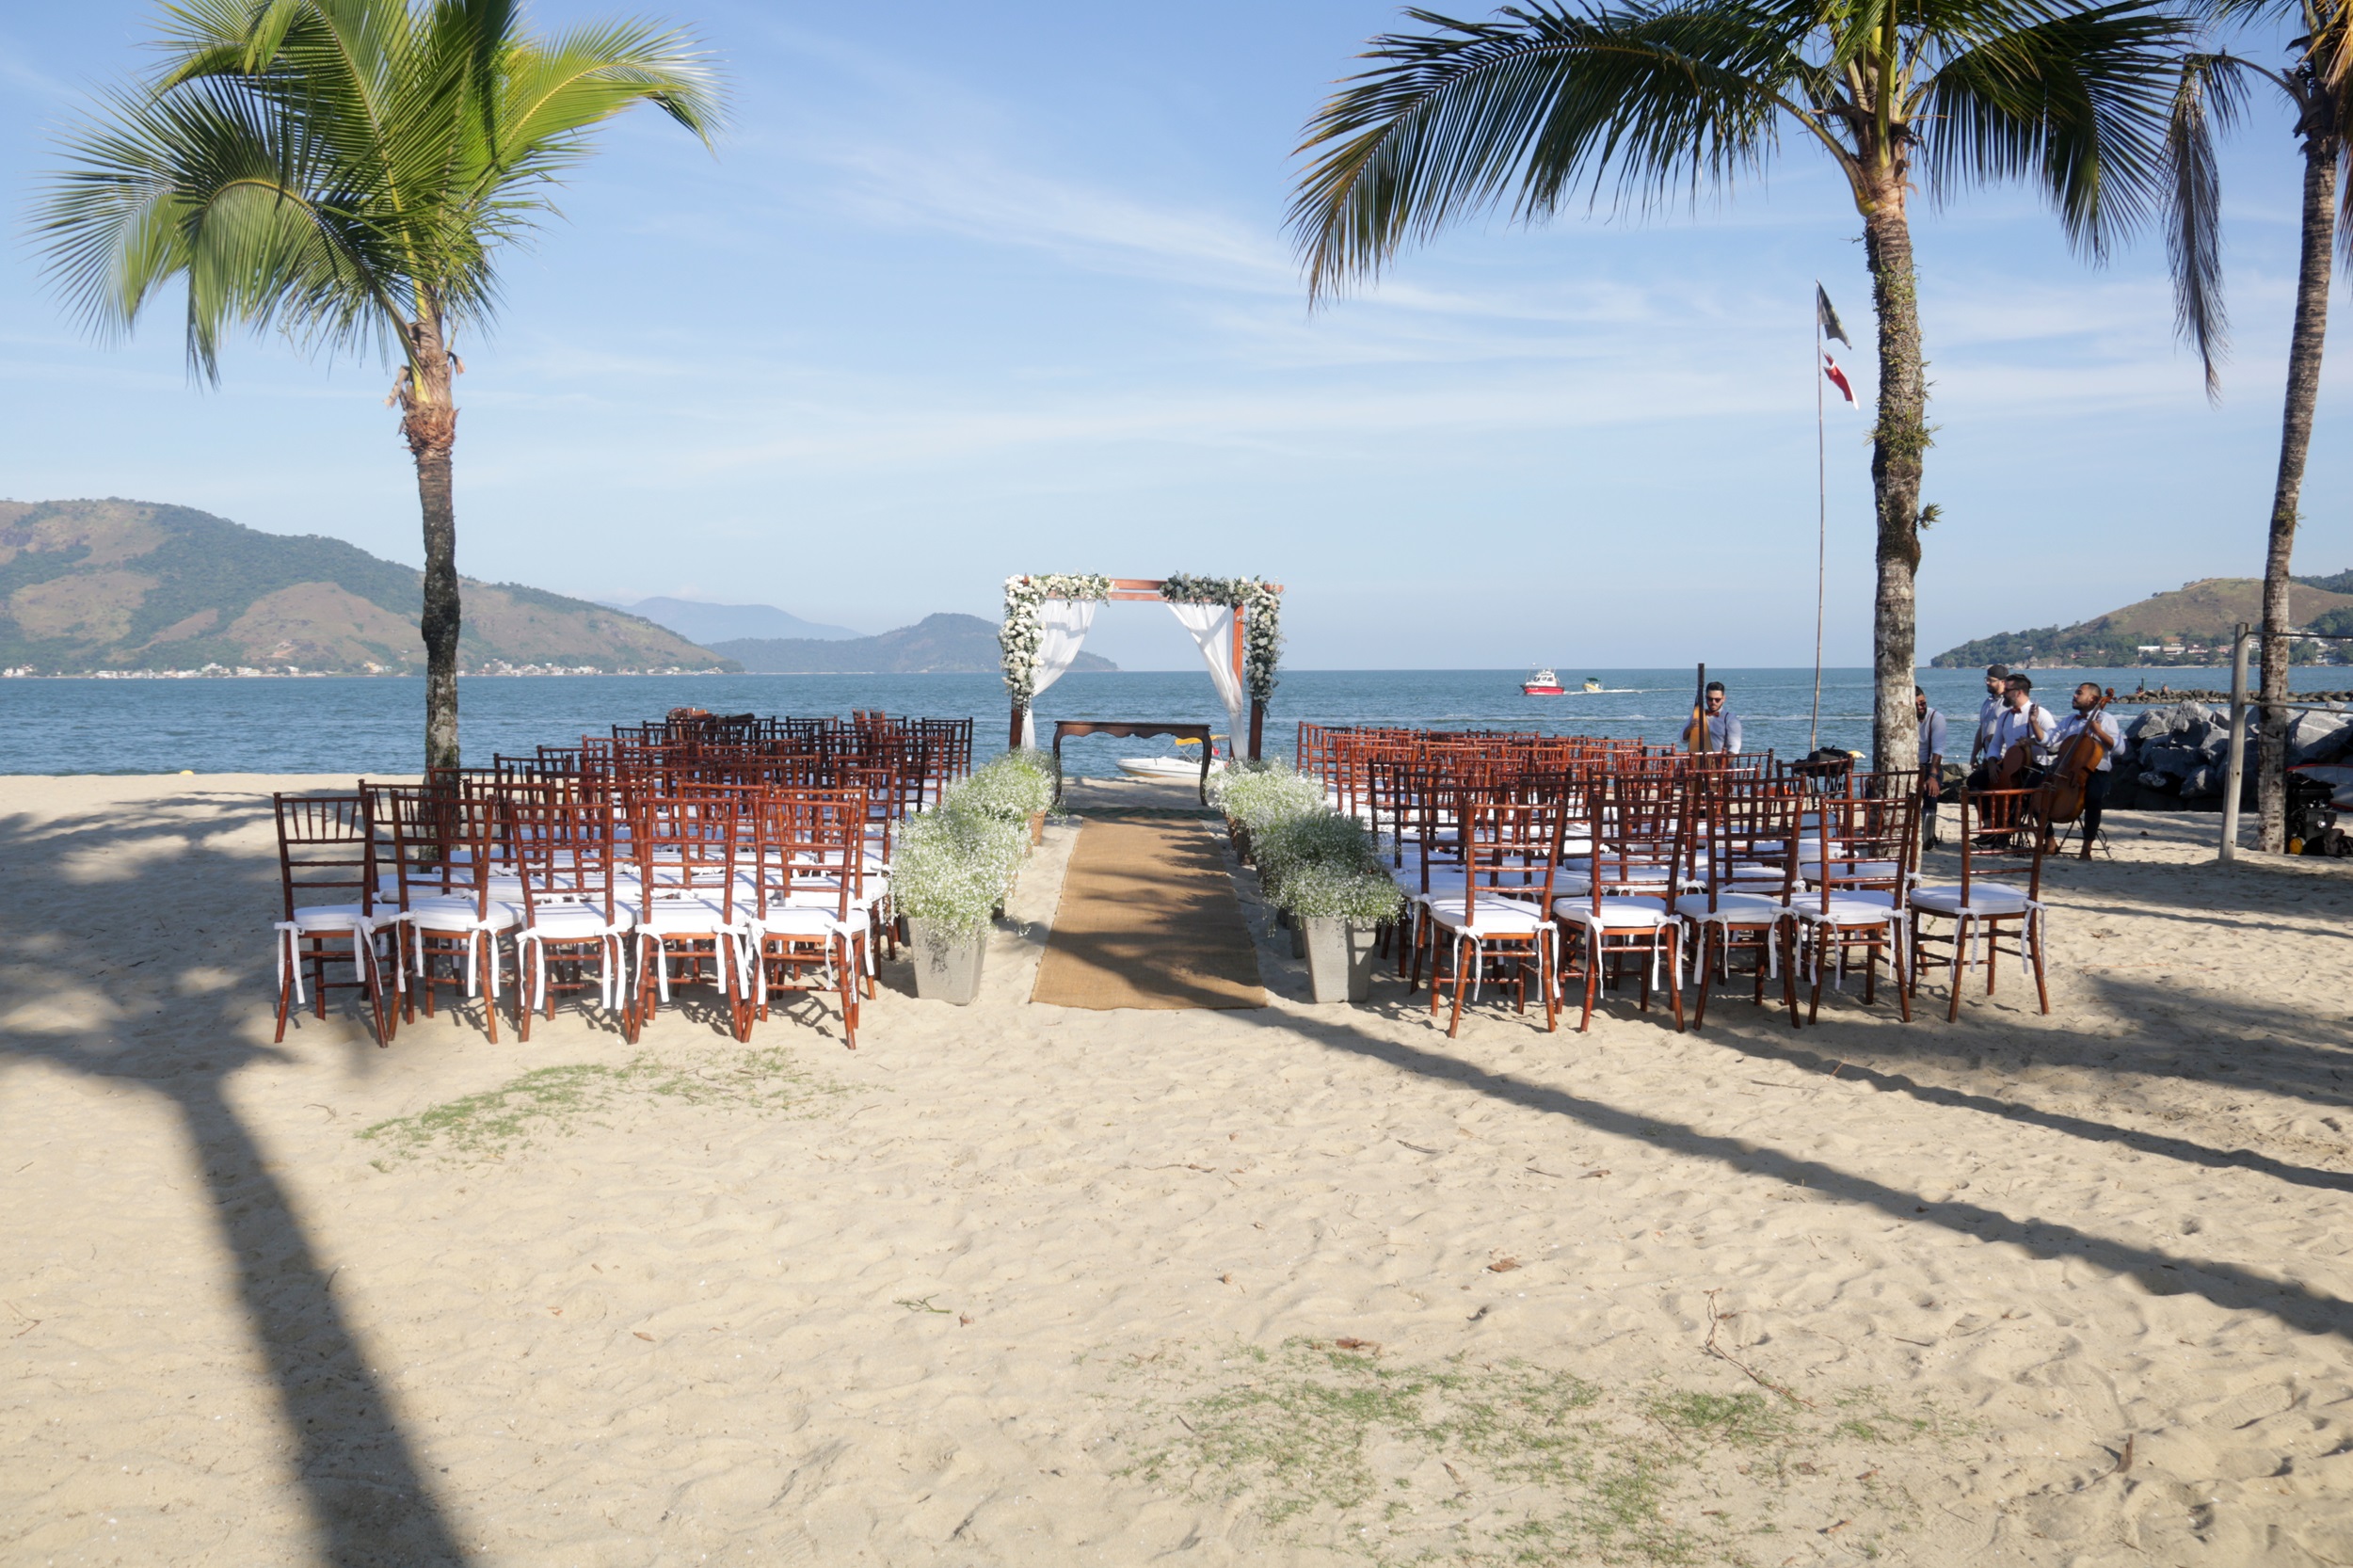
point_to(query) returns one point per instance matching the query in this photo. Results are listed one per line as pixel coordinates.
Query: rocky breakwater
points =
(2177, 757)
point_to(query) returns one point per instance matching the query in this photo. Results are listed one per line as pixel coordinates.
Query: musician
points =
(2022, 718)
(1723, 724)
(1933, 730)
(1996, 677)
(2087, 713)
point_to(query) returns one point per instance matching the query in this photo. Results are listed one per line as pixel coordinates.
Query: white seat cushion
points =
(576, 923)
(1983, 900)
(1617, 914)
(1489, 917)
(685, 918)
(1850, 909)
(457, 912)
(1738, 908)
(339, 916)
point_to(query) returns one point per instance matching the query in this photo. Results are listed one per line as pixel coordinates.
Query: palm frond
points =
(1533, 108)
(2208, 97)
(2076, 101)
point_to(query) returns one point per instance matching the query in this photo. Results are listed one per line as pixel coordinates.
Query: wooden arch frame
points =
(1146, 590)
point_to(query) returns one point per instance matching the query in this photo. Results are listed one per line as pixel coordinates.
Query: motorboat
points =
(1593, 682)
(1543, 683)
(1184, 769)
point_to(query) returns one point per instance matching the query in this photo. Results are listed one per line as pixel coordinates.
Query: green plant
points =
(347, 172)
(951, 867)
(1321, 890)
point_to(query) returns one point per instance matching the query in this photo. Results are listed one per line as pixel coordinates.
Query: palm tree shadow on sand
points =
(368, 1501)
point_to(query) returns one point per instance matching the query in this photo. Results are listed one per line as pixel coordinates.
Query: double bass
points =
(2060, 798)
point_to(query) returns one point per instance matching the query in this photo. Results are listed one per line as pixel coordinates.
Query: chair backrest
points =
(810, 851)
(1865, 843)
(564, 851)
(1511, 848)
(442, 841)
(2013, 853)
(1641, 837)
(326, 846)
(1753, 828)
(685, 848)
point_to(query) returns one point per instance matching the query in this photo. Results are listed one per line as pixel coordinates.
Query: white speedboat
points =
(1183, 768)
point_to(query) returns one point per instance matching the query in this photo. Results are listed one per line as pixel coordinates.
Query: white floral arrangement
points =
(1013, 787)
(950, 869)
(1261, 608)
(1020, 636)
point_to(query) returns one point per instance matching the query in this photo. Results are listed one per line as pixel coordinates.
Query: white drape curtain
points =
(1212, 627)
(1064, 623)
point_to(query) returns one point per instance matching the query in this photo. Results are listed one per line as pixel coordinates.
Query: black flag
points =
(1829, 318)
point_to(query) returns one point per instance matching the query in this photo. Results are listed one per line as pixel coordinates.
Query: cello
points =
(2060, 798)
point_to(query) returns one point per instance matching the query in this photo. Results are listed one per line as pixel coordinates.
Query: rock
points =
(2197, 731)
(2151, 723)
(2155, 781)
(2207, 781)
(2217, 743)
(2312, 734)
(2169, 760)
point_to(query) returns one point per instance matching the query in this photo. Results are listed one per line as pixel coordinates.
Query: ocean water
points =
(359, 727)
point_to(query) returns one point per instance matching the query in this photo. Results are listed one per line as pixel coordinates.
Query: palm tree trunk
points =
(2296, 439)
(1897, 442)
(429, 423)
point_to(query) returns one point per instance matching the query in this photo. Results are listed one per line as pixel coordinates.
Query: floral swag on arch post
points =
(1048, 615)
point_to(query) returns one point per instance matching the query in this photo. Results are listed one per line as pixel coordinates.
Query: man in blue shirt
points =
(1723, 724)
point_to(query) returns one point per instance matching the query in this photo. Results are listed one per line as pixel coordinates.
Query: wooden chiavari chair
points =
(687, 910)
(326, 846)
(575, 911)
(1988, 902)
(810, 906)
(457, 896)
(1859, 864)
(1500, 909)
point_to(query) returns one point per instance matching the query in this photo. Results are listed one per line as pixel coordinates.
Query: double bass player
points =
(2090, 711)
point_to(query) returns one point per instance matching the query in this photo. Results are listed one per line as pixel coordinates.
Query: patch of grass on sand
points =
(1506, 1463)
(548, 1101)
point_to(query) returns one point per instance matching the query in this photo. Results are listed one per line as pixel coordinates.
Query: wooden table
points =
(1123, 727)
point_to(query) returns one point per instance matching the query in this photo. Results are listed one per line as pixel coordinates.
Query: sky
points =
(967, 290)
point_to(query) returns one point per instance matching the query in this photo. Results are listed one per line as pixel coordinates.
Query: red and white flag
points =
(1837, 377)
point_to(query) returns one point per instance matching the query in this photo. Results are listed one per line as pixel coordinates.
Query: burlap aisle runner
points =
(1148, 919)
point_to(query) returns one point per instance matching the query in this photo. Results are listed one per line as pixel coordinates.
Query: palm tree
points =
(347, 171)
(1662, 99)
(2318, 88)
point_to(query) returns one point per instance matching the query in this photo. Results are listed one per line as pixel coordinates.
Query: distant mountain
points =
(93, 586)
(2191, 625)
(708, 624)
(937, 645)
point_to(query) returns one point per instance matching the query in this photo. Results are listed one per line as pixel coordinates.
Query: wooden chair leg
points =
(1699, 1001)
(489, 974)
(1895, 976)
(1672, 935)
(1454, 1022)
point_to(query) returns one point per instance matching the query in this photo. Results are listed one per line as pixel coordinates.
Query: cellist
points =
(2090, 711)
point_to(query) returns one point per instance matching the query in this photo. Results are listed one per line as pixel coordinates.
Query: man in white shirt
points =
(2087, 713)
(2022, 718)
(1933, 730)
(1997, 677)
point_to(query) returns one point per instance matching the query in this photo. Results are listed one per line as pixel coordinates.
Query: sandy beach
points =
(1021, 1284)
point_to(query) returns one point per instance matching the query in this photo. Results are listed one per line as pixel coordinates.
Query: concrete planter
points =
(946, 969)
(1339, 958)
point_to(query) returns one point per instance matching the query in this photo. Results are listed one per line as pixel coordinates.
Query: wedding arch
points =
(1235, 621)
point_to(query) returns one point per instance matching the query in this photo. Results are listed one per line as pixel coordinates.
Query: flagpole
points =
(1821, 522)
